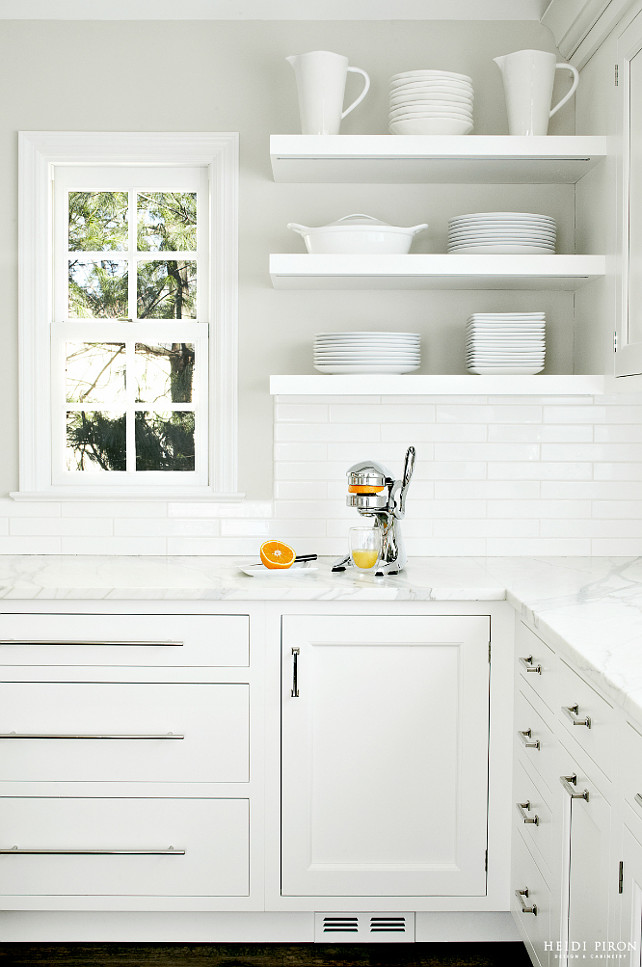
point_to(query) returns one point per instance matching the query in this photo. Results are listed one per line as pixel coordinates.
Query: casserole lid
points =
(358, 223)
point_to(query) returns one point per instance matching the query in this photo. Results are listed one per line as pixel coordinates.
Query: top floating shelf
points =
(443, 159)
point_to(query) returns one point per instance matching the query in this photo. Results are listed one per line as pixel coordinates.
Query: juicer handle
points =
(409, 466)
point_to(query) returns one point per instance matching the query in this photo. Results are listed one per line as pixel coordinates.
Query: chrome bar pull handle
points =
(527, 740)
(572, 712)
(638, 799)
(86, 735)
(570, 784)
(523, 895)
(529, 665)
(295, 672)
(524, 808)
(17, 851)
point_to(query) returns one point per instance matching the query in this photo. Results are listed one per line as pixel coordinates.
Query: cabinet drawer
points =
(537, 665)
(537, 820)
(158, 640)
(631, 773)
(535, 927)
(124, 732)
(588, 718)
(107, 847)
(535, 743)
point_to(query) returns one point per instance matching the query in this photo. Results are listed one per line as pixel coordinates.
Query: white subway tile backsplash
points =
(493, 476)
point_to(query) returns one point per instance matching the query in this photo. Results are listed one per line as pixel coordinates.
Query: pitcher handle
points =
(366, 88)
(576, 80)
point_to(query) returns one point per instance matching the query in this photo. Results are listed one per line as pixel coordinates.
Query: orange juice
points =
(365, 558)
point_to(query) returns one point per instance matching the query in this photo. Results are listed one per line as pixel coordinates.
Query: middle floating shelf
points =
(443, 271)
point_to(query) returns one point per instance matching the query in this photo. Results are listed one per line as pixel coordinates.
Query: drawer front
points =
(588, 718)
(535, 743)
(213, 833)
(124, 732)
(126, 640)
(538, 818)
(532, 912)
(537, 665)
(631, 776)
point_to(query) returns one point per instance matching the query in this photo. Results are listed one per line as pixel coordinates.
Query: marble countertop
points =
(589, 608)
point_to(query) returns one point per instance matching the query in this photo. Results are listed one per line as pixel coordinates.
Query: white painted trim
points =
(39, 151)
(581, 26)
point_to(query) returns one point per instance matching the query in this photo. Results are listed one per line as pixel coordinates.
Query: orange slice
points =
(275, 554)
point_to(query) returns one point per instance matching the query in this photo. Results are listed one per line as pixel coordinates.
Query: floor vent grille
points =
(364, 927)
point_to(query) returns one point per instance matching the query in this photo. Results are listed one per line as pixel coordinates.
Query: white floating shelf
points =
(434, 271)
(409, 385)
(441, 159)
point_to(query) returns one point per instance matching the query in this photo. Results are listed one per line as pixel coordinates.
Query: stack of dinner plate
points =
(367, 352)
(517, 233)
(431, 102)
(505, 342)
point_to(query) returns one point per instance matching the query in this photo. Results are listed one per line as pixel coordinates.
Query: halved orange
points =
(275, 554)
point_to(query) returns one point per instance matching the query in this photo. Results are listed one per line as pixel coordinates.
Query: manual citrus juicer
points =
(373, 492)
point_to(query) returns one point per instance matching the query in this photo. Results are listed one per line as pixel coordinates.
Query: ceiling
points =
(272, 9)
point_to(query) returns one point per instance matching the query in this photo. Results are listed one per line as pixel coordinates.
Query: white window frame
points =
(39, 153)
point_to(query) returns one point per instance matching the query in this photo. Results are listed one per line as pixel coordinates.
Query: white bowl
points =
(430, 113)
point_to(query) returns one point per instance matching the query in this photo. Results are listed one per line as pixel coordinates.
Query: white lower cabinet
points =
(385, 726)
(630, 933)
(124, 847)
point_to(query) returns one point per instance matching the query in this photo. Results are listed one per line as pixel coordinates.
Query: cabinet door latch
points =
(620, 878)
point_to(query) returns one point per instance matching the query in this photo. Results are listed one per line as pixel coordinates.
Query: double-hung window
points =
(128, 300)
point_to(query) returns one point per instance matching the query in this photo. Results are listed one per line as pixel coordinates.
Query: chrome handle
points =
(570, 783)
(638, 799)
(528, 742)
(572, 712)
(523, 808)
(84, 735)
(295, 672)
(137, 644)
(521, 895)
(529, 665)
(16, 851)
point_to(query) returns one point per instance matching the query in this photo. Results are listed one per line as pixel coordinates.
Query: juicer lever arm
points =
(409, 466)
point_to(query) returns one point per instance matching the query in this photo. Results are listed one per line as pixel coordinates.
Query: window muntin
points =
(130, 327)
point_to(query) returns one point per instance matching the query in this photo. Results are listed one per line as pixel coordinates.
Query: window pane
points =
(167, 221)
(167, 290)
(98, 290)
(164, 372)
(95, 441)
(97, 221)
(95, 372)
(164, 441)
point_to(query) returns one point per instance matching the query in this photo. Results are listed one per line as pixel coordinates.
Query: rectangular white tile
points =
(445, 509)
(539, 508)
(301, 412)
(113, 545)
(204, 509)
(390, 454)
(61, 527)
(166, 527)
(573, 413)
(618, 433)
(447, 547)
(505, 490)
(486, 528)
(294, 471)
(436, 432)
(537, 546)
(540, 471)
(486, 451)
(596, 452)
(612, 509)
(358, 413)
(590, 489)
(282, 530)
(294, 489)
(307, 452)
(30, 545)
(29, 508)
(618, 471)
(500, 413)
(114, 508)
(616, 547)
(326, 432)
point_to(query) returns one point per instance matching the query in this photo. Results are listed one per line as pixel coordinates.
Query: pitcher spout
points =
(500, 61)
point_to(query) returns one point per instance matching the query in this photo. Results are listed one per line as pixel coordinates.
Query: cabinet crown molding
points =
(581, 26)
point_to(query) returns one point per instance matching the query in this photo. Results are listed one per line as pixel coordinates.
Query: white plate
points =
(362, 333)
(369, 368)
(508, 215)
(430, 126)
(431, 72)
(508, 371)
(436, 96)
(260, 570)
(430, 115)
(501, 250)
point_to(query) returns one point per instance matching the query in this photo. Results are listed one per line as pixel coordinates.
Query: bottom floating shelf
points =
(372, 384)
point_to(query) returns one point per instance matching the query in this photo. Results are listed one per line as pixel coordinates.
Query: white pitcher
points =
(528, 77)
(321, 82)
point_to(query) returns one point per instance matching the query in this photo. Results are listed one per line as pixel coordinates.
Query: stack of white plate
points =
(505, 342)
(431, 102)
(517, 233)
(367, 352)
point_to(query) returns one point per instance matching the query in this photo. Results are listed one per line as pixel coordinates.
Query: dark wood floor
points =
(264, 955)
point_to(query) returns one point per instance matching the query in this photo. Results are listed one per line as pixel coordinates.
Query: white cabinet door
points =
(385, 755)
(631, 913)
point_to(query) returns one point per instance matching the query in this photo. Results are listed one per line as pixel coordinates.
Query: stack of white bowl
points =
(431, 102)
(516, 233)
(505, 342)
(367, 352)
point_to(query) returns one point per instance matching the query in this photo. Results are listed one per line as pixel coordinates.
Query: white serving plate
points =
(431, 72)
(501, 250)
(508, 371)
(432, 96)
(420, 115)
(374, 368)
(366, 332)
(430, 126)
(260, 570)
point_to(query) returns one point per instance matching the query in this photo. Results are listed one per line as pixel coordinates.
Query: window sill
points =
(61, 494)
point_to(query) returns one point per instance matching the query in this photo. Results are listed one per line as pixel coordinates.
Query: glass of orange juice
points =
(365, 547)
